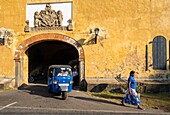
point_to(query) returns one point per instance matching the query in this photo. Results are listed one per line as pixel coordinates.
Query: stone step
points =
(6, 83)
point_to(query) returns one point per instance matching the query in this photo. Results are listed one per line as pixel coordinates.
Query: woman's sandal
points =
(122, 103)
(140, 108)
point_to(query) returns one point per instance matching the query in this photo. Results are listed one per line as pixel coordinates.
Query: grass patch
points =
(156, 101)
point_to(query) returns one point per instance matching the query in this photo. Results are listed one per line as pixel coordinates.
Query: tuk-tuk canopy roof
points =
(60, 66)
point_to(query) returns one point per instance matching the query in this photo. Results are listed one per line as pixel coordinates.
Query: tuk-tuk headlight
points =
(55, 82)
(71, 82)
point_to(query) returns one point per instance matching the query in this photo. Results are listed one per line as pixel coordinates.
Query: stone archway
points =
(20, 52)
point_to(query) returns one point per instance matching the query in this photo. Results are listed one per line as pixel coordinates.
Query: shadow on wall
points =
(99, 88)
(159, 77)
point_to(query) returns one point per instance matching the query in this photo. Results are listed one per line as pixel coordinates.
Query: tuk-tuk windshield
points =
(62, 72)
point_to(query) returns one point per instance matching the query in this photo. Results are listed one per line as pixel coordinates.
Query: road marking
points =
(97, 111)
(7, 106)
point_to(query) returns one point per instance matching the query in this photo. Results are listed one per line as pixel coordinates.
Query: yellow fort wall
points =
(126, 26)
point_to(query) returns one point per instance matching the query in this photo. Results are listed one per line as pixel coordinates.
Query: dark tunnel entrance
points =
(46, 53)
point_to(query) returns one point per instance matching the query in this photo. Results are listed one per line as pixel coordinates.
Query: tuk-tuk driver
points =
(62, 73)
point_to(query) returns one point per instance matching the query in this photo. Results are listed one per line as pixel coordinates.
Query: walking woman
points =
(131, 96)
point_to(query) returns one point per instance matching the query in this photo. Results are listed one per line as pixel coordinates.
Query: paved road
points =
(35, 99)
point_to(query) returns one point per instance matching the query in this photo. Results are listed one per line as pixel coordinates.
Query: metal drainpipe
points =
(146, 58)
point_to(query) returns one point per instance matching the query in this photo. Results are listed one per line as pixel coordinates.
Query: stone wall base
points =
(7, 83)
(121, 88)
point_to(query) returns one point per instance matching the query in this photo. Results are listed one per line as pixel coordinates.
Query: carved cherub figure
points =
(54, 17)
(37, 19)
(27, 28)
(60, 17)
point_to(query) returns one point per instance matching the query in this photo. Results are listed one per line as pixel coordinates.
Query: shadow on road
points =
(101, 101)
(38, 89)
(42, 90)
(96, 100)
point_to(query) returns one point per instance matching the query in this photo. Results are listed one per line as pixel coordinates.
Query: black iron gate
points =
(159, 53)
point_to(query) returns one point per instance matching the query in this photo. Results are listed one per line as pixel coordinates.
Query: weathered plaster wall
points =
(12, 16)
(130, 25)
(126, 26)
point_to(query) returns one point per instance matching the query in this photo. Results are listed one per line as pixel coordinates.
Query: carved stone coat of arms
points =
(48, 19)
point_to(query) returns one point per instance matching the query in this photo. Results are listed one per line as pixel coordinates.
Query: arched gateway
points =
(21, 60)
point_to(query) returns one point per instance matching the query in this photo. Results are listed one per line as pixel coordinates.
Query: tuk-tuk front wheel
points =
(64, 95)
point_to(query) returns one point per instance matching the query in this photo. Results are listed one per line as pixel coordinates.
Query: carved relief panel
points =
(51, 17)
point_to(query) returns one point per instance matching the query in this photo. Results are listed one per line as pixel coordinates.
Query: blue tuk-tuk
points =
(60, 79)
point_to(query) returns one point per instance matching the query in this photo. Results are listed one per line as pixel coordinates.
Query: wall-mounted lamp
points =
(150, 42)
(96, 31)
